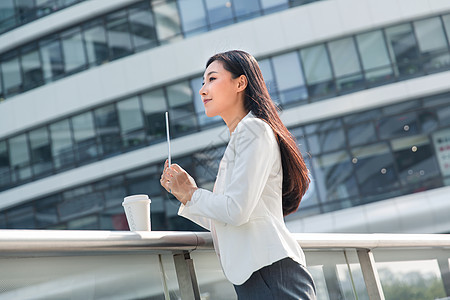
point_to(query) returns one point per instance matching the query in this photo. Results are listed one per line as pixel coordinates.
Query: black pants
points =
(284, 279)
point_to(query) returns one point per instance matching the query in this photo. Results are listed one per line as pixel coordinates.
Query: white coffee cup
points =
(137, 210)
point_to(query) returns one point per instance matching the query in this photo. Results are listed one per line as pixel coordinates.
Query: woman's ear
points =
(242, 83)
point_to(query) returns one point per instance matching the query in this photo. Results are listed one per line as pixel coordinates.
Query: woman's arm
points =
(255, 151)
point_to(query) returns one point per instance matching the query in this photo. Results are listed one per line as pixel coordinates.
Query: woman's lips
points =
(206, 101)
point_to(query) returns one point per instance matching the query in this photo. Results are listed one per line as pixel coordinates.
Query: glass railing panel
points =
(413, 274)
(337, 274)
(211, 280)
(81, 277)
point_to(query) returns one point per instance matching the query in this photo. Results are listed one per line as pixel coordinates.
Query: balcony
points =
(53, 264)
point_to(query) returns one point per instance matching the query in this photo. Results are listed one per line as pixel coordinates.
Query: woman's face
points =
(219, 91)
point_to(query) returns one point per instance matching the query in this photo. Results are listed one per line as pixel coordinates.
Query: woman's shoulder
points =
(252, 124)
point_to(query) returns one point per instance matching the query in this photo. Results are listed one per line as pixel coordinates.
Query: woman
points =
(262, 177)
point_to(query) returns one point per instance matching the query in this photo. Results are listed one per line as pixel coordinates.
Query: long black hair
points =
(258, 101)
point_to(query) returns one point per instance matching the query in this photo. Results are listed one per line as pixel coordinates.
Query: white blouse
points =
(244, 211)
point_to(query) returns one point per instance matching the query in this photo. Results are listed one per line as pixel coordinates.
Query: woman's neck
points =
(232, 120)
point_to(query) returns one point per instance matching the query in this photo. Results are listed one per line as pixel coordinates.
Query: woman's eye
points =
(212, 78)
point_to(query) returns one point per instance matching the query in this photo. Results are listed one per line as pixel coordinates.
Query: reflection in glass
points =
(95, 41)
(84, 137)
(79, 202)
(182, 112)
(142, 26)
(131, 122)
(290, 82)
(31, 67)
(374, 56)
(107, 125)
(19, 157)
(219, 12)
(12, 78)
(375, 172)
(154, 105)
(45, 212)
(119, 39)
(41, 154)
(52, 61)
(446, 20)
(7, 19)
(5, 178)
(317, 70)
(246, 9)
(345, 63)
(432, 43)
(269, 78)
(62, 146)
(334, 176)
(73, 50)
(399, 125)
(274, 5)
(403, 50)
(168, 25)
(416, 162)
(361, 134)
(21, 218)
(193, 16)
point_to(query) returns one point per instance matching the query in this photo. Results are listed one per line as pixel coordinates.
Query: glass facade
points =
(353, 160)
(294, 78)
(15, 13)
(143, 25)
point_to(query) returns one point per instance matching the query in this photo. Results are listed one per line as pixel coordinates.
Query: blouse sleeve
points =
(253, 160)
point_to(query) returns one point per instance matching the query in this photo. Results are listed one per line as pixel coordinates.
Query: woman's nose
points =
(202, 91)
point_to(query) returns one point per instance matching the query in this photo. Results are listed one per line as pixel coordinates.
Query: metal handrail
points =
(42, 242)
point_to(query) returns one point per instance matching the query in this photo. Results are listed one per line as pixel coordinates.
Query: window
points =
(246, 9)
(41, 154)
(274, 5)
(52, 61)
(84, 137)
(269, 78)
(432, 43)
(182, 111)
(96, 45)
(362, 133)
(168, 25)
(345, 63)
(131, 122)
(7, 15)
(290, 82)
(62, 145)
(317, 71)
(142, 26)
(5, 178)
(193, 16)
(12, 78)
(375, 172)
(333, 174)
(446, 20)
(73, 50)
(416, 163)
(374, 57)
(33, 75)
(19, 157)
(107, 125)
(219, 12)
(118, 31)
(154, 105)
(403, 50)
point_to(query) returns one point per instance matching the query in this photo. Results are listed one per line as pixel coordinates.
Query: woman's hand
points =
(178, 182)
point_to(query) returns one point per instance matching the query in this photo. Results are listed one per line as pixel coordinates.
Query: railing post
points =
(370, 274)
(445, 274)
(187, 281)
